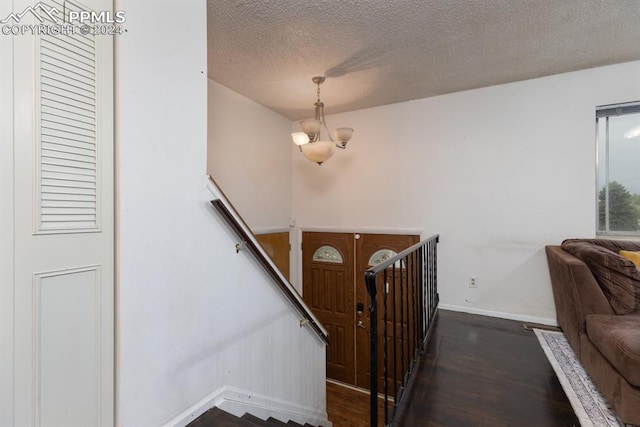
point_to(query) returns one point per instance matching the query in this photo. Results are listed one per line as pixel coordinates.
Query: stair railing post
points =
(373, 338)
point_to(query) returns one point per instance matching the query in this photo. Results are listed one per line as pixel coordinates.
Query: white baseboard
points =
(500, 314)
(238, 402)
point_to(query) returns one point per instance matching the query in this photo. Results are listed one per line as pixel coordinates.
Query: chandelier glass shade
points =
(309, 142)
(300, 138)
(319, 151)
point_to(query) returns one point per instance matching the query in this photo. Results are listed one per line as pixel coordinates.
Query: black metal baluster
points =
(435, 272)
(408, 318)
(414, 326)
(395, 339)
(402, 272)
(423, 292)
(412, 310)
(435, 294)
(405, 325)
(410, 314)
(421, 295)
(385, 286)
(432, 296)
(429, 284)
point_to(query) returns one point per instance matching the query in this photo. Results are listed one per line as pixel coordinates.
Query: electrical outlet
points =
(473, 282)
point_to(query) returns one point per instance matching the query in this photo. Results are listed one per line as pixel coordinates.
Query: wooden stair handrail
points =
(248, 240)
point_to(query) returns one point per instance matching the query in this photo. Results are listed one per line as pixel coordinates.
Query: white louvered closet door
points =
(63, 222)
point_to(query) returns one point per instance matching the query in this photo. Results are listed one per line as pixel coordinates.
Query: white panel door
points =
(63, 320)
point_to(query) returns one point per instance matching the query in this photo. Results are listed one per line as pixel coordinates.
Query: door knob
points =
(361, 324)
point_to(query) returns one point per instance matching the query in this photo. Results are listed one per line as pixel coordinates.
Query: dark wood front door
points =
(334, 288)
(327, 288)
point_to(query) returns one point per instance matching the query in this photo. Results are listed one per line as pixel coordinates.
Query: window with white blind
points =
(618, 169)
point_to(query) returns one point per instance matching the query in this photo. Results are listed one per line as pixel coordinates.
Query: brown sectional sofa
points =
(597, 297)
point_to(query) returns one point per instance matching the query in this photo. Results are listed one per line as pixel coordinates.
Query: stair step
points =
(216, 417)
(253, 419)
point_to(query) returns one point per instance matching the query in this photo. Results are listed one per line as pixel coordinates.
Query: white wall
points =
(193, 316)
(249, 157)
(6, 226)
(498, 172)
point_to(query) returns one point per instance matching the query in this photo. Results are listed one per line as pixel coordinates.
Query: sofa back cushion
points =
(618, 277)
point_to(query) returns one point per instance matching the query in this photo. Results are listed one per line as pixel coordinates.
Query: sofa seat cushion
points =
(618, 339)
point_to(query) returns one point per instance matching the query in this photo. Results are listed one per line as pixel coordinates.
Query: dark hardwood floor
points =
(347, 407)
(482, 371)
(478, 371)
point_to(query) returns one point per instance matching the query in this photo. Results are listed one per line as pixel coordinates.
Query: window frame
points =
(605, 112)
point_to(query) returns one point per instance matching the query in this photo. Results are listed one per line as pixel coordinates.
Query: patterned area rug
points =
(589, 406)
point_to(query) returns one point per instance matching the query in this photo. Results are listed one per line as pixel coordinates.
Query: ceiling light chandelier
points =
(309, 140)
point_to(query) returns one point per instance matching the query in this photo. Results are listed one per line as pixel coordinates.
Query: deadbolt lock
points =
(360, 309)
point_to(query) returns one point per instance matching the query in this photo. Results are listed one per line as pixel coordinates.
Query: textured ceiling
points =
(377, 52)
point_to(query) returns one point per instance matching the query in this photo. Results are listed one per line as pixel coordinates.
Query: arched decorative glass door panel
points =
(327, 253)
